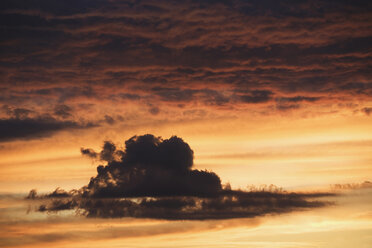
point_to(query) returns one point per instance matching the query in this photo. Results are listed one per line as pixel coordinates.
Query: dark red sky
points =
(191, 58)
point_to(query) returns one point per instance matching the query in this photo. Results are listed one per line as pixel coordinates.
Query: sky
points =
(185, 123)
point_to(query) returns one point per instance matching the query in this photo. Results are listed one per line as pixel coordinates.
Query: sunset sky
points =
(186, 123)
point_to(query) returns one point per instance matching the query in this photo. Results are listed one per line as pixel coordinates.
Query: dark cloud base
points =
(234, 204)
(34, 128)
(153, 178)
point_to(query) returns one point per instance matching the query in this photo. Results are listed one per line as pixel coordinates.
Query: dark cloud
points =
(109, 152)
(153, 178)
(285, 107)
(128, 96)
(21, 113)
(174, 94)
(38, 127)
(154, 110)
(256, 96)
(57, 193)
(79, 50)
(18, 113)
(359, 88)
(150, 166)
(109, 120)
(293, 103)
(207, 96)
(63, 111)
(63, 94)
(89, 153)
(57, 205)
(234, 204)
(296, 99)
(367, 111)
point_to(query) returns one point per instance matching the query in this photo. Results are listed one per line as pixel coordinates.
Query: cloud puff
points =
(153, 178)
(88, 152)
(150, 166)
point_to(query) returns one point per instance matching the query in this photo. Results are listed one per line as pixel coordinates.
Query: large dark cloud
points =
(34, 128)
(150, 166)
(153, 178)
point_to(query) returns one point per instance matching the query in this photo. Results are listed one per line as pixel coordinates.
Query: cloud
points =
(256, 96)
(234, 204)
(153, 178)
(18, 113)
(174, 94)
(154, 110)
(63, 111)
(109, 119)
(296, 99)
(293, 103)
(367, 111)
(34, 128)
(150, 166)
(285, 107)
(89, 153)
(364, 185)
(112, 51)
(128, 96)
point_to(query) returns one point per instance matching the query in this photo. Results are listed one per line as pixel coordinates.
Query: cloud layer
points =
(153, 178)
(256, 56)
